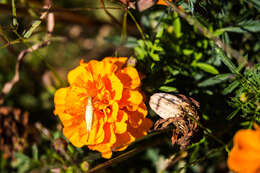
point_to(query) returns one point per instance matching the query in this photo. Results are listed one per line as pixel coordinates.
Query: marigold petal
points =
(76, 100)
(129, 77)
(97, 134)
(136, 117)
(112, 112)
(122, 142)
(121, 127)
(131, 99)
(110, 139)
(114, 85)
(59, 100)
(119, 62)
(67, 119)
(79, 77)
(142, 129)
(107, 154)
(97, 68)
(73, 135)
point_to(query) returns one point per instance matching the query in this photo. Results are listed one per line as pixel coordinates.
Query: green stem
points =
(15, 23)
(137, 25)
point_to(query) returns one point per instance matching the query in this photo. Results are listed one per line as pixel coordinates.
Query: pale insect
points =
(89, 114)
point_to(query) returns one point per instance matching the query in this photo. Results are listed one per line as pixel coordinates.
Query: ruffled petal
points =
(72, 134)
(123, 140)
(76, 101)
(131, 99)
(80, 77)
(59, 100)
(129, 77)
(119, 62)
(114, 86)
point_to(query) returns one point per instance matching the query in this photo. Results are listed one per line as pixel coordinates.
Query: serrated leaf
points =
(215, 80)
(231, 87)
(207, 67)
(226, 61)
(168, 89)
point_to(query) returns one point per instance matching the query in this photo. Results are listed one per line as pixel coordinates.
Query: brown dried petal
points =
(179, 111)
(168, 106)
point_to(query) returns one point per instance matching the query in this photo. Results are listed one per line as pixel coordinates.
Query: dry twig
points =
(50, 26)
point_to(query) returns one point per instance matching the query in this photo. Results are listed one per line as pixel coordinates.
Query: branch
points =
(50, 26)
(9, 85)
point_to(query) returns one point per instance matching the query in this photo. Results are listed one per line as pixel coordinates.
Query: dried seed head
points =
(179, 111)
(169, 106)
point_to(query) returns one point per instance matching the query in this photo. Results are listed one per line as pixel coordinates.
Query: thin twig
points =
(108, 13)
(50, 26)
(145, 143)
(204, 31)
(9, 85)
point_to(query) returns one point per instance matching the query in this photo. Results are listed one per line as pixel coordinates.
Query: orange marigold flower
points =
(119, 112)
(245, 154)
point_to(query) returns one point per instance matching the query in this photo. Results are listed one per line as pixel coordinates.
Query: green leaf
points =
(226, 61)
(35, 152)
(21, 162)
(231, 87)
(177, 25)
(187, 51)
(245, 26)
(218, 32)
(168, 89)
(206, 67)
(232, 115)
(33, 27)
(215, 80)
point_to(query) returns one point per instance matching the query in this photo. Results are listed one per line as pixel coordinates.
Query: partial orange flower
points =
(162, 2)
(119, 112)
(245, 154)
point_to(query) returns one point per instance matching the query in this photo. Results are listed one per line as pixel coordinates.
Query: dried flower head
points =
(177, 110)
(105, 96)
(245, 154)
